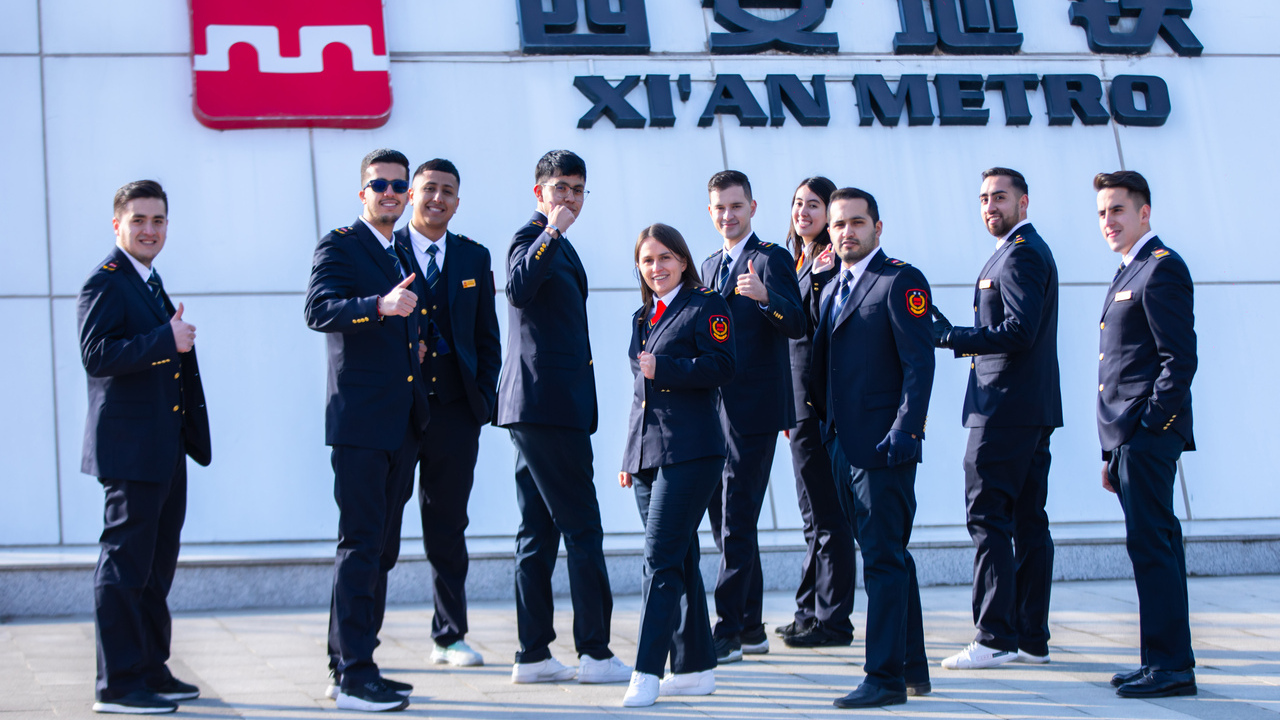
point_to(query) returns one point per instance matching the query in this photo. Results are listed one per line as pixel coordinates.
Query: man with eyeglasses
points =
(547, 401)
(360, 297)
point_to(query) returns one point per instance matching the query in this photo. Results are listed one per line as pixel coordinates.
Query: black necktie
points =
(842, 293)
(722, 280)
(431, 270)
(391, 250)
(157, 289)
(1118, 271)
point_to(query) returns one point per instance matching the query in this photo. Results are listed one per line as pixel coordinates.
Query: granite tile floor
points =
(271, 664)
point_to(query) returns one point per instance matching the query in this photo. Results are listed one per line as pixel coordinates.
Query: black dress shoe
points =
(869, 696)
(138, 702)
(793, 628)
(1160, 683)
(817, 636)
(175, 690)
(924, 687)
(1125, 678)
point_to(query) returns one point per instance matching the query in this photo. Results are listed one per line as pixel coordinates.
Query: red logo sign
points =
(917, 302)
(290, 63)
(719, 328)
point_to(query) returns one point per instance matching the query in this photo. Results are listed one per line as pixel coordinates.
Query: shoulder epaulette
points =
(1019, 239)
(764, 244)
(895, 262)
(535, 223)
(717, 252)
(344, 230)
(706, 291)
(464, 237)
(110, 267)
(1157, 254)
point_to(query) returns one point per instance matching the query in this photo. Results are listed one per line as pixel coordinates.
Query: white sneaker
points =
(331, 692)
(549, 670)
(1026, 657)
(458, 654)
(976, 656)
(642, 692)
(694, 683)
(594, 672)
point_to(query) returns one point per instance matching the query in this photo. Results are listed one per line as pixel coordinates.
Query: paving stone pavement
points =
(271, 664)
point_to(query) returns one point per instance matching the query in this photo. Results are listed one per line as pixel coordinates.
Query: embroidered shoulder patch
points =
(1157, 254)
(344, 230)
(895, 262)
(917, 302)
(706, 291)
(110, 267)
(764, 244)
(719, 328)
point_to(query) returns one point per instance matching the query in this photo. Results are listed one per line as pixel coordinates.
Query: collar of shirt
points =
(420, 243)
(665, 300)
(735, 252)
(1000, 243)
(1133, 251)
(143, 270)
(376, 233)
(861, 267)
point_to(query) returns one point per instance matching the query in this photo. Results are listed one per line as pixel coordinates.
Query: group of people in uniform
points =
(828, 340)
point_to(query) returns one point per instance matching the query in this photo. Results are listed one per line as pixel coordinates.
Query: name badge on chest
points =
(1124, 295)
(985, 284)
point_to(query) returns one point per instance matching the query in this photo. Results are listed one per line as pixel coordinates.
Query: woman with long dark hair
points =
(824, 599)
(681, 351)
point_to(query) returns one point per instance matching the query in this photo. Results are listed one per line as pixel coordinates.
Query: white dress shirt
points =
(1000, 243)
(420, 243)
(1133, 251)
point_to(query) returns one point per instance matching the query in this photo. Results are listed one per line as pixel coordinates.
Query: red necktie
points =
(657, 314)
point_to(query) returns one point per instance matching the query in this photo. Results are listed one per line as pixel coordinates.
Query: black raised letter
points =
(1162, 17)
(754, 34)
(961, 27)
(1014, 88)
(732, 96)
(609, 100)
(877, 102)
(960, 100)
(787, 90)
(1155, 94)
(662, 112)
(1066, 96)
(624, 32)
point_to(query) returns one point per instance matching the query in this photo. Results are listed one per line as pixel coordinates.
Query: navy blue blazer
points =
(473, 315)
(547, 378)
(1148, 349)
(674, 417)
(811, 284)
(760, 398)
(375, 385)
(1013, 379)
(146, 401)
(873, 365)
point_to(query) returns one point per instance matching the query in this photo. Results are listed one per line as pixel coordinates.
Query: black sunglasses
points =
(379, 185)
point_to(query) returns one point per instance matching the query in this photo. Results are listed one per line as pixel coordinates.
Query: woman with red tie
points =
(681, 351)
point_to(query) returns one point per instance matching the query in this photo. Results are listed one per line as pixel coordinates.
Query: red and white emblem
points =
(290, 63)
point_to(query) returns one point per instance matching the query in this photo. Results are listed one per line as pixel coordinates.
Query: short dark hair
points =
(822, 187)
(1127, 179)
(1019, 182)
(441, 165)
(384, 155)
(673, 241)
(138, 189)
(851, 193)
(559, 162)
(726, 179)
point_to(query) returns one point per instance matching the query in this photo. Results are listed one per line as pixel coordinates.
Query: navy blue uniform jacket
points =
(548, 378)
(375, 382)
(1148, 349)
(144, 396)
(1013, 381)
(674, 416)
(811, 284)
(472, 314)
(873, 365)
(760, 398)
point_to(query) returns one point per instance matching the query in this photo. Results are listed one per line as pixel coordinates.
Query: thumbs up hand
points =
(184, 333)
(752, 286)
(401, 300)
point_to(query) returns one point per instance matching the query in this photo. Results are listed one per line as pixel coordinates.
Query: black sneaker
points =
(794, 627)
(373, 696)
(754, 641)
(402, 689)
(728, 650)
(818, 636)
(138, 702)
(175, 690)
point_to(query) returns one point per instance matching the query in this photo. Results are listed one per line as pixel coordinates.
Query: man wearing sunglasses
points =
(360, 297)
(547, 400)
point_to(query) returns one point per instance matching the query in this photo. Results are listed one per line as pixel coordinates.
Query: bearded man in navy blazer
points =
(547, 401)
(871, 378)
(1146, 362)
(1012, 405)
(360, 297)
(146, 417)
(459, 350)
(758, 281)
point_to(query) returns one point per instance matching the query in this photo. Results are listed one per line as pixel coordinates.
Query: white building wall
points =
(99, 94)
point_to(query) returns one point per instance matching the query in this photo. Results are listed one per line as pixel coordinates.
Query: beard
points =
(850, 257)
(1002, 227)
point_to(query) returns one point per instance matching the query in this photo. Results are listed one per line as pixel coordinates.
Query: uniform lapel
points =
(681, 299)
(1130, 272)
(863, 286)
(366, 239)
(135, 280)
(452, 248)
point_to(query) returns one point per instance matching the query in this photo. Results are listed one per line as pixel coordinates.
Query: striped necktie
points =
(1118, 271)
(722, 280)
(842, 293)
(432, 270)
(391, 251)
(157, 289)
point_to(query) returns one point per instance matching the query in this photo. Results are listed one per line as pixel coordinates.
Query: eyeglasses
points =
(564, 190)
(379, 185)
